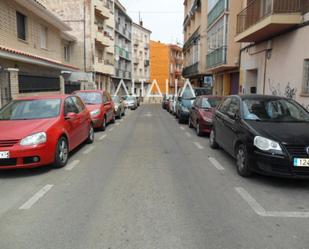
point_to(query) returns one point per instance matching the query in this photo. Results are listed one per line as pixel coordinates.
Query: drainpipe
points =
(85, 56)
(265, 67)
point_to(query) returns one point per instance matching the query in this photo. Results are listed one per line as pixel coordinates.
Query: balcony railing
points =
(216, 11)
(259, 9)
(216, 57)
(191, 70)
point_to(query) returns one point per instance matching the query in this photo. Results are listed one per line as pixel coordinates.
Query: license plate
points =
(4, 154)
(301, 162)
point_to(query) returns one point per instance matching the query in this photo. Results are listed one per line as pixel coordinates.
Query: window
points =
(21, 25)
(43, 37)
(66, 52)
(69, 106)
(225, 105)
(306, 77)
(105, 98)
(79, 104)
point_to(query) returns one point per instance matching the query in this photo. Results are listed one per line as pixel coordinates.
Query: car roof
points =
(90, 91)
(53, 96)
(210, 96)
(257, 96)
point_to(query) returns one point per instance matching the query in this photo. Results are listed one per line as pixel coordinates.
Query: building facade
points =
(175, 69)
(275, 52)
(123, 47)
(92, 23)
(222, 55)
(195, 42)
(159, 66)
(141, 58)
(35, 50)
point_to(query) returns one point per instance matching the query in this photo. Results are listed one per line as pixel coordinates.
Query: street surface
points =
(150, 183)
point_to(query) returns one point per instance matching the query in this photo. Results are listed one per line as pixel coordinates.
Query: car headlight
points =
(266, 144)
(35, 139)
(116, 107)
(95, 113)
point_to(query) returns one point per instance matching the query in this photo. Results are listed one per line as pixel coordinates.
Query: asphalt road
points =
(150, 183)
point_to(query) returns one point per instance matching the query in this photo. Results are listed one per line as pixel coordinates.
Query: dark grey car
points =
(120, 109)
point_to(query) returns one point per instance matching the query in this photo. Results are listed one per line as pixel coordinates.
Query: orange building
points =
(159, 64)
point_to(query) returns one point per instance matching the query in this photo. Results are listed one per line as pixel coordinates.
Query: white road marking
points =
(88, 150)
(188, 134)
(121, 120)
(72, 165)
(102, 137)
(111, 129)
(259, 210)
(215, 163)
(148, 115)
(182, 128)
(117, 124)
(28, 204)
(199, 146)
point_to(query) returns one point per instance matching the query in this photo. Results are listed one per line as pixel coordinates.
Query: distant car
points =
(100, 105)
(130, 102)
(38, 131)
(184, 102)
(120, 109)
(201, 113)
(165, 101)
(266, 134)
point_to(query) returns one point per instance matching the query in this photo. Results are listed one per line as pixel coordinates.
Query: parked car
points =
(37, 131)
(100, 105)
(120, 109)
(201, 113)
(183, 104)
(266, 134)
(165, 101)
(172, 104)
(130, 102)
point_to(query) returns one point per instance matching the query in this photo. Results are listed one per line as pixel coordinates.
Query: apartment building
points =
(159, 66)
(175, 69)
(92, 23)
(222, 50)
(275, 53)
(141, 58)
(123, 47)
(35, 50)
(195, 42)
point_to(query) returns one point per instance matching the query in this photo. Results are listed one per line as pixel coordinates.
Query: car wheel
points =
(103, 127)
(198, 129)
(212, 140)
(190, 123)
(179, 119)
(113, 119)
(62, 153)
(90, 138)
(243, 161)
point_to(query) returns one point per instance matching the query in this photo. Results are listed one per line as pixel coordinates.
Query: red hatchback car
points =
(39, 131)
(201, 113)
(100, 105)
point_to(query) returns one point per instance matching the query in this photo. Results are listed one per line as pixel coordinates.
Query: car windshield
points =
(187, 102)
(31, 109)
(116, 99)
(129, 98)
(187, 94)
(274, 110)
(210, 102)
(90, 98)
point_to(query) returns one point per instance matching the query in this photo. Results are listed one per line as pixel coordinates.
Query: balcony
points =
(216, 57)
(216, 11)
(104, 68)
(146, 63)
(122, 74)
(191, 70)
(103, 40)
(101, 9)
(262, 19)
(136, 61)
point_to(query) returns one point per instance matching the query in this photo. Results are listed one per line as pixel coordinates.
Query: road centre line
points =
(88, 150)
(28, 204)
(199, 146)
(215, 163)
(259, 210)
(72, 165)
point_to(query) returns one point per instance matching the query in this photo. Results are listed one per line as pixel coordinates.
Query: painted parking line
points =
(28, 204)
(117, 124)
(102, 137)
(188, 134)
(182, 128)
(111, 129)
(259, 210)
(121, 120)
(199, 146)
(88, 150)
(215, 163)
(72, 165)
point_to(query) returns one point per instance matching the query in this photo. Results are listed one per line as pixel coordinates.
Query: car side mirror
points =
(70, 116)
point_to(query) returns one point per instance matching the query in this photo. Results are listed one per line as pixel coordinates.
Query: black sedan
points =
(266, 134)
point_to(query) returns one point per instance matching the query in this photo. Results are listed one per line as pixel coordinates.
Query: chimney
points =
(141, 23)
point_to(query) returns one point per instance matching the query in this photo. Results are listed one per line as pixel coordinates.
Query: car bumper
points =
(24, 157)
(280, 166)
(205, 126)
(184, 116)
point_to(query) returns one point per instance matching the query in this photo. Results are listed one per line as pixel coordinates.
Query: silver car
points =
(130, 102)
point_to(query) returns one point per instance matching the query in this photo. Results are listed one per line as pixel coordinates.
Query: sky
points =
(163, 17)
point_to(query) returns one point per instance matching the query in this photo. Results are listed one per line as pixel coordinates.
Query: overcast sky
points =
(163, 17)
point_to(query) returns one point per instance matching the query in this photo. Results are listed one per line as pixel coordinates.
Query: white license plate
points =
(301, 162)
(4, 154)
